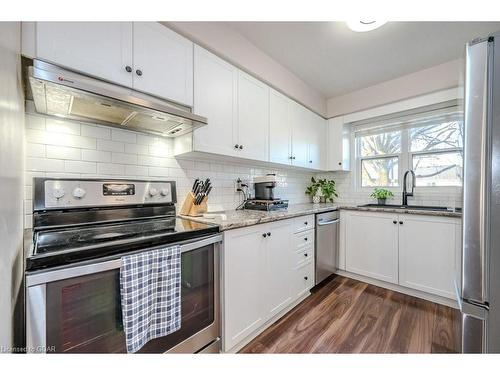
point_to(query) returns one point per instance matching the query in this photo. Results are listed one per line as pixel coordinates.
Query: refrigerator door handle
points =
(476, 174)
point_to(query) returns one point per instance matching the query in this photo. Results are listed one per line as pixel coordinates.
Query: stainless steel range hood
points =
(62, 93)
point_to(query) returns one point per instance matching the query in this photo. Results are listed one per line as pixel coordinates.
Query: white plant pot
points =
(316, 199)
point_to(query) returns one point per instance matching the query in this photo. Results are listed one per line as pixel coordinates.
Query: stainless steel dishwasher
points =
(327, 244)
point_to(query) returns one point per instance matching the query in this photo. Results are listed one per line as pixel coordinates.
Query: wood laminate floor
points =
(349, 316)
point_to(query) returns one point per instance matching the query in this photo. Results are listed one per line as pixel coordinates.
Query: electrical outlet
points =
(240, 184)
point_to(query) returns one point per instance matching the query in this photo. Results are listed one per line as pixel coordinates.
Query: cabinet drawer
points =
(304, 255)
(303, 239)
(303, 223)
(303, 278)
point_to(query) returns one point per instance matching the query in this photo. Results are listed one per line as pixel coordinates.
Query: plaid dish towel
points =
(150, 286)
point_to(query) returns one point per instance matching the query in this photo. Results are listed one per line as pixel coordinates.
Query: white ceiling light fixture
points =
(362, 26)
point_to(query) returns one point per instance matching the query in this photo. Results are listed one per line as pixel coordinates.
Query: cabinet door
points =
(317, 145)
(166, 61)
(279, 262)
(300, 135)
(244, 301)
(215, 97)
(253, 118)
(427, 254)
(371, 245)
(302, 279)
(280, 133)
(100, 49)
(338, 140)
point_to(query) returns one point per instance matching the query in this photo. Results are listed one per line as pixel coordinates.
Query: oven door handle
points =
(43, 277)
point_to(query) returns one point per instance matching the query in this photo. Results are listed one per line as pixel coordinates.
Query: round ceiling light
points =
(362, 26)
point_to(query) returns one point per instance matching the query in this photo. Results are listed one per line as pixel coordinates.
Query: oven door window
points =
(84, 313)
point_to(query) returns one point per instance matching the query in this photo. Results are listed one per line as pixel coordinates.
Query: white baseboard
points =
(401, 289)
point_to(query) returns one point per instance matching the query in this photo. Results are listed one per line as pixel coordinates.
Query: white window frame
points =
(405, 163)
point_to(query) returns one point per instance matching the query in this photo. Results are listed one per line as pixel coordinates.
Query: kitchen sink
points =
(410, 207)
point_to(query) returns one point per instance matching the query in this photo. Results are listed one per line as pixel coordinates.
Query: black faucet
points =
(405, 193)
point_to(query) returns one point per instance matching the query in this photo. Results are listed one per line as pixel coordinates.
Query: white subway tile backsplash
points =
(61, 152)
(131, 148)
(134, 170)
(80, 166)
(35, 122)
(95, 131)
(158, 172)
(110, 169)
(106, 145)
(61, 126)
(59, 139)
(95, 155)
(123, 136)
(120, 158)
(35, 150)
(44, 165)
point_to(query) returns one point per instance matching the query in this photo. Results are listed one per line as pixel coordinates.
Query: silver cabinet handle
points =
(328, 222)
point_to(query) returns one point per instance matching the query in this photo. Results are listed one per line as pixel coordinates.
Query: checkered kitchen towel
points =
(150, 286)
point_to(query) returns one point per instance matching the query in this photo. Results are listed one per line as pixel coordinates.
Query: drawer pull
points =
(305, 277)
(305, 238)
(305, 223)
(305, 254)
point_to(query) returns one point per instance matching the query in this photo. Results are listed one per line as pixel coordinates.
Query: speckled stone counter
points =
(233, 219)
(403, 211)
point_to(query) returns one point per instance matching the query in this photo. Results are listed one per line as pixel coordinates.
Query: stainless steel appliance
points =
(264, 187)
(327, 244)
(81, 229)
(479, 290)
(63, 93)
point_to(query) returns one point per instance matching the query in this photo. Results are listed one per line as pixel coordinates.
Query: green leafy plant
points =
(325, 188)
(381, 194)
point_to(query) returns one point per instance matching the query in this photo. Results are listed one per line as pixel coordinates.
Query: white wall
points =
(11, 179)
(235, 48)
(425, 81)
(58, 148)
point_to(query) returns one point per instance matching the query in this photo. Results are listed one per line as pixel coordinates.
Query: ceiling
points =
(335, 60)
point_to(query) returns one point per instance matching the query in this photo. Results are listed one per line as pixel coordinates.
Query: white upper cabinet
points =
(371, 245)
(146, 56)
(100, 49)
(216, 98)
(428, 252)
(338, 142)
(300, 135)
(163, 63)
(253, 118)
(280, 130)
(317, 141)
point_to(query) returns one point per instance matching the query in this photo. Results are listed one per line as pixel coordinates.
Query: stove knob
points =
(79, 193)
(164, 192)
(153, 192)
(58, 192)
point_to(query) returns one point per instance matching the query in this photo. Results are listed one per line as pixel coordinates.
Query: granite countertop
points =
(232, 219)
(403, 211)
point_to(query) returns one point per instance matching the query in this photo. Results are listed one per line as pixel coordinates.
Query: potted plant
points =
(322, 188)
(381, 195)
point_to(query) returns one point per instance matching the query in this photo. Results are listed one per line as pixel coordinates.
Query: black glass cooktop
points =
(62, 246)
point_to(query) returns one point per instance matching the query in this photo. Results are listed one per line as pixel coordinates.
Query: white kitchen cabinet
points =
(428, 252)
(244, 283)
(338, 145)
(300, 120)
(265, 272)
(317, 142)
(279, 261)
(100, 49)
(253, 118)
(164, 60)
(280, 130)
(371, 243)
(146, 56)
(216, 98)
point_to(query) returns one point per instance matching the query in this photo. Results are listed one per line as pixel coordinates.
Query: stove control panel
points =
(68, 193)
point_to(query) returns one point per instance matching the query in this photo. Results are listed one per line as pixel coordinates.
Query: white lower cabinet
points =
(428, 251)
(372, 245)
(264, 273)
(415, 251)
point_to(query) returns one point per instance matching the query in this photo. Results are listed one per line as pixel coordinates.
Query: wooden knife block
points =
(190, 209)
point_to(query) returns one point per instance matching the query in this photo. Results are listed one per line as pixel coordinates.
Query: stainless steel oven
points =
(73, 302)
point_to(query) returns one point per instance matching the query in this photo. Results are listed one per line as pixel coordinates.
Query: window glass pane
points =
(379, 172)
(444, 169)
(380, 144)
(437, 137)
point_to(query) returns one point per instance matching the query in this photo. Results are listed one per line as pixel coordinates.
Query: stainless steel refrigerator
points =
(479, 292)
